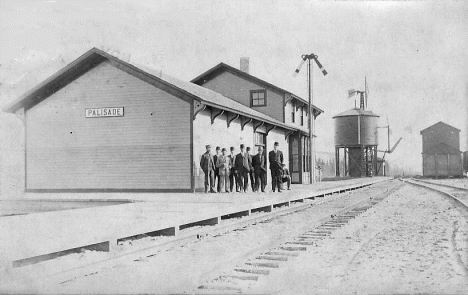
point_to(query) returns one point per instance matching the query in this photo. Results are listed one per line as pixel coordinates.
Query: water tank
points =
(356, 127)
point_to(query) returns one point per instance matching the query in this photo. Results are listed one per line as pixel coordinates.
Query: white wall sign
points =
(104, 112)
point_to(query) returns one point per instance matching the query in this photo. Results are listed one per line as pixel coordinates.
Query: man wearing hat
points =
(216, 173)
(207, 164)
(224, 167)
(232, 174)
(242, 165)
(251, 170)
(276, 160)
(260, 170)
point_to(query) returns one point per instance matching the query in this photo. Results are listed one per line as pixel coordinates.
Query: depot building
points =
(104, 124)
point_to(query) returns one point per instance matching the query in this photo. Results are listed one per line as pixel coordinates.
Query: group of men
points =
(223, 170)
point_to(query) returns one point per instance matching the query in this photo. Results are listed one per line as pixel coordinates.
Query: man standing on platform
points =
(242, 166)
(216, 173)
(276, 160)
(232, 174)
(208, 166)
(260, 170)
(251, 170)
(223, 170)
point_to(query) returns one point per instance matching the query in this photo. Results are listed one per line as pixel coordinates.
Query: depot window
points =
(258, 98)
(293, 112)
(302, 116)
(259, 139)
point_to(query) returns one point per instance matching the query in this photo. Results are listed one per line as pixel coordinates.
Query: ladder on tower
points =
(363, 162)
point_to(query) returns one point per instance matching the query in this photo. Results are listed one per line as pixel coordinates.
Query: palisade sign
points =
(104, 112)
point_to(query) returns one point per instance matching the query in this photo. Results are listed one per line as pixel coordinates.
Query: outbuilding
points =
(441, 153)
(105, 124)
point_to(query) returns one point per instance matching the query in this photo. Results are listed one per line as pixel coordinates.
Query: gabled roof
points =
(356, 112)
(441, 148)
(222, 67)
(95, 56)
(440, 123)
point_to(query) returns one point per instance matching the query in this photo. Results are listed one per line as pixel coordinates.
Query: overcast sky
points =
(413, 53)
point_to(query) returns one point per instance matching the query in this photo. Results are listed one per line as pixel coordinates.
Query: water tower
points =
(356, 135)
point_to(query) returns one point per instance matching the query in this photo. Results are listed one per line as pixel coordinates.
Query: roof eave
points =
(26, 98)
(258, 80)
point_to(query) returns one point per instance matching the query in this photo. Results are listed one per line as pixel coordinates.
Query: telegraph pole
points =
(311, 143)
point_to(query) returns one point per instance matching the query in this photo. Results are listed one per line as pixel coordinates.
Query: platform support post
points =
(112, 245)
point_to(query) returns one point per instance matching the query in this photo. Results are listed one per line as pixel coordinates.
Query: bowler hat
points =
(276, 143)
(224, 150)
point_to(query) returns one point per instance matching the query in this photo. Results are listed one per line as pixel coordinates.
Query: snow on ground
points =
(183, 268)
(457, 182)
(414, 242)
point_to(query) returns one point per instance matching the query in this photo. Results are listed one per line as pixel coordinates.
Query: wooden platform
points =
(36, 234)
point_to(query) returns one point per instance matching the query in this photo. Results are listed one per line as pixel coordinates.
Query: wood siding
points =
(288, 109)
(442, 165)
(440, 133)
(238, 89)
(147, 148)
(218, 134)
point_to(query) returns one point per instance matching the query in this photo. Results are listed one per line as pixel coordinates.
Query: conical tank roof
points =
(356, 112)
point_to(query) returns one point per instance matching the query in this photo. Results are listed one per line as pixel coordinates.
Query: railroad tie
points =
(288, 248)
(253, 271)
(330, 226)
(282, 253)
(264, 264)
(315, 234)
(219, 288)
(268, 257)
(240, 277)
(302, 243)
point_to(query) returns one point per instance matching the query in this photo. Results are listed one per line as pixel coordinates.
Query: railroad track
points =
(455, 193)
(242, 277)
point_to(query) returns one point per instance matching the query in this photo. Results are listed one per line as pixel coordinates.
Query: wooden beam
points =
(269, 128)
(215, 113)
(245, 121)
(231, 117)
(299, 105)
(197, 108)
(316, 113)
(287, 98)
(257, 124)
(288, 133)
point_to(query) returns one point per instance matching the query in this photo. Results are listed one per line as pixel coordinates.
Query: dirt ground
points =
(414, 242)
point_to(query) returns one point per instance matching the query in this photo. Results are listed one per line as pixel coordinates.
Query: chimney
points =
(244, 64)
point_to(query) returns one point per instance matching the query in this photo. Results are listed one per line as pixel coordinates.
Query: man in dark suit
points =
(207, 164)
(260, 170)
(232, 174)
(216, 173)
(251, 171)
(276, 160)
(242, 165)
